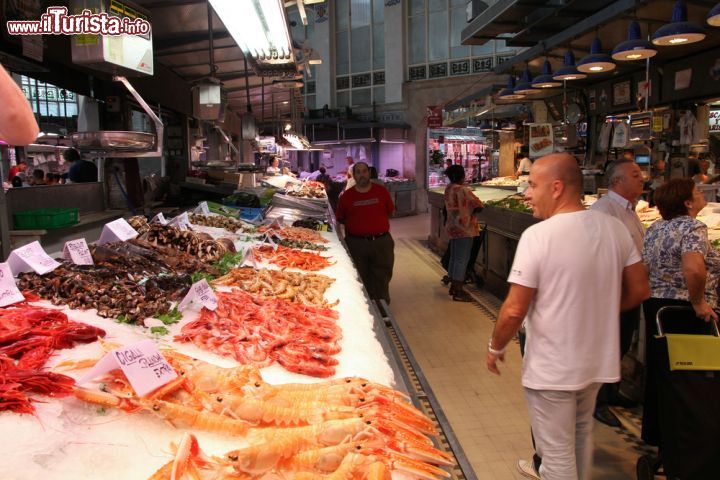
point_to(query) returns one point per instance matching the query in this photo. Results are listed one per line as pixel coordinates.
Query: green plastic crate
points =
(46, 218)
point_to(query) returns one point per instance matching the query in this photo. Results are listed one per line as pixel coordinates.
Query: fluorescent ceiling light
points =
(259, 27)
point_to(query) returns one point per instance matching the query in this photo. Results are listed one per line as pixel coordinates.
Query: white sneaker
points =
(527, 469)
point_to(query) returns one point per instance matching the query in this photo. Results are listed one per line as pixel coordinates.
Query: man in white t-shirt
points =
(625, 185)
(571, 277)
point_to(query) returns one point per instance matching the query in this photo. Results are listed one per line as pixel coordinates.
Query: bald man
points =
(572, 275)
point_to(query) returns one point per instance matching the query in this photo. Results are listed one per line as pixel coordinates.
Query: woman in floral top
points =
(684, 270)
(461, 227)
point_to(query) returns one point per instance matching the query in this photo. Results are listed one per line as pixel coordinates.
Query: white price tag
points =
(77, 252)
(31, 257)
(278, 222)
(9, 293)
(203, 208)
(117, 231)
(181, 221)
(268, 237)
(159, 218)
(200, 293)
(249, 258)
(142, 364)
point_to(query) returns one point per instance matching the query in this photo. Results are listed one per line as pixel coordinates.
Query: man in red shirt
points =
(14, 170)
(365, 210)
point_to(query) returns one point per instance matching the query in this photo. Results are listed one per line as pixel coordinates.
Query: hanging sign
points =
(657, 123)
(142, 363)
(31, 257)
(9, 293)
(434, 116)
(117, 231)
(714, 121)
(541, 139)
(621, 133)
(77, 252)
(200, 293)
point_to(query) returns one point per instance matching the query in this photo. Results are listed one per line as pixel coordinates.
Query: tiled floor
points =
(449, 339)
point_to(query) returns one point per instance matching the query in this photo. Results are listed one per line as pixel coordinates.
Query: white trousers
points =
(562, 424)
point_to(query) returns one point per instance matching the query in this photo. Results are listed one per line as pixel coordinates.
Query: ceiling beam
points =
(168, 53)
(175, 41)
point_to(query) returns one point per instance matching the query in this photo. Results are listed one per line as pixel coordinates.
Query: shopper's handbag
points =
(699, 350)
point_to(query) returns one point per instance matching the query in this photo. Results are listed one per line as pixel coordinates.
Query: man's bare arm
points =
(17, 122)
(512, 314)
(635, 286)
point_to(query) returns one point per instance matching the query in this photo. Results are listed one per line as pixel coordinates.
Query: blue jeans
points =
(459, 256)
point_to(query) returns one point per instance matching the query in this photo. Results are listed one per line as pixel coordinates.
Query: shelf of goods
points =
(293, 375)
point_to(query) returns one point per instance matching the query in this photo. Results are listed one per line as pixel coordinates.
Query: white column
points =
(394, 54)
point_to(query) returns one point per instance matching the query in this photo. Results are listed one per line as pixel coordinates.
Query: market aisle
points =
(448, 340)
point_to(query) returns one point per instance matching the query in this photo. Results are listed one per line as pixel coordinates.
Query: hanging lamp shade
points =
(713, 17)
(569, 71)
(596, 61)
(508, 93)
(524, 87)
(546, 80)
(679, 31)
(635, 47)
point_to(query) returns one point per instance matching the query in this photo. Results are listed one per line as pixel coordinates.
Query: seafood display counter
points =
(283, 368)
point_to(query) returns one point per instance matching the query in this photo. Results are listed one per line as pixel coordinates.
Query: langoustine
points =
(285, 257)
(286, 440)
(252, 330)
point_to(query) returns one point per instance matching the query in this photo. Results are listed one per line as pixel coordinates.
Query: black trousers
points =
(629, 322)
(374, 260)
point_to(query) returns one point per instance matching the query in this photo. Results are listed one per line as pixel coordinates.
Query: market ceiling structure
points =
(181, 39)
(548, 28)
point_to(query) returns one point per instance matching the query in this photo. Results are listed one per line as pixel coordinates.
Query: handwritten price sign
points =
(77, 252)
(117, 231)
(142, 364)
(200, 293)
(159, 218)
(203, 208)
(182, 221)
(31, 257)
(9, 292)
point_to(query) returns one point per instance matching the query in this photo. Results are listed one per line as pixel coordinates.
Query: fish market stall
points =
(265, 335)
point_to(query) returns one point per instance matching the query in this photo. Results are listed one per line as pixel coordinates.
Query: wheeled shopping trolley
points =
(687, 372)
